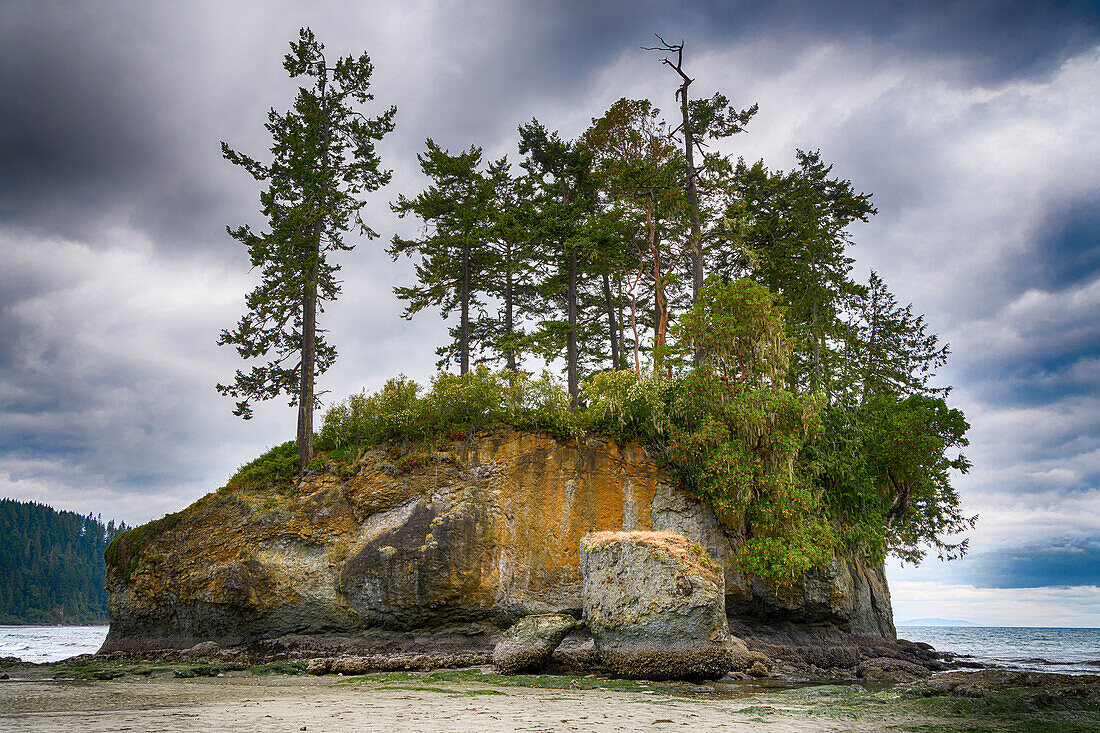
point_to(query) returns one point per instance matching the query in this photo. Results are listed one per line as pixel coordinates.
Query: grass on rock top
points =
(677, 549)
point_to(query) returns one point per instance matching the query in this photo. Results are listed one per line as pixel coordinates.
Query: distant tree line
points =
(51, 565)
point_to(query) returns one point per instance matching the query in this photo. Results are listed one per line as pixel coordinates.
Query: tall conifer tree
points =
(453, 271)
(702, 120)
(323, 159)
(793, 238)
(561, 169)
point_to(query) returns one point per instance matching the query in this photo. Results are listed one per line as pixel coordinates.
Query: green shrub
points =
(622, 405)
(465, 403)
(393, 413)
(125, 549)
(541, 404)
(273, 469)
(453, 406)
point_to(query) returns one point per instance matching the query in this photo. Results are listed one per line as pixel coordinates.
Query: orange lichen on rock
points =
(487, 530)
(552, 494)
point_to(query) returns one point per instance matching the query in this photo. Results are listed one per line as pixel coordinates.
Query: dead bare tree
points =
(703, 119)
(691, 172)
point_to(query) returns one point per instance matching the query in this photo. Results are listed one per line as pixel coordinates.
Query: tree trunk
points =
(464, 326)
(571, 337)
(622, 322)
(656, 313)
(660, 306)
(571, 311)
(693, 205)
(309, 312)
(816, 373)
(509, 323)
(634, 315)
(612, 330)
(309, 358)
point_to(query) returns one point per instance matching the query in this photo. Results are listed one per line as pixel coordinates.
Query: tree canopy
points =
(799, 401)
(51, 565)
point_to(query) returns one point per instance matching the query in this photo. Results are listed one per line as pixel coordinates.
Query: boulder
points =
(1018, 688)
(202, 650)
(655, 603)
(528, 645)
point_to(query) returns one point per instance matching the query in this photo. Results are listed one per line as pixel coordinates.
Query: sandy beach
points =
(473, 701)
(328, 704)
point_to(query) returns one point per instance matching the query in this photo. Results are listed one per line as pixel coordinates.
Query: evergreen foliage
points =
(51, 565)
(799, 477)
(455, 267)
(792, 236)
(563, 202)
(641, 178)
(323, 159)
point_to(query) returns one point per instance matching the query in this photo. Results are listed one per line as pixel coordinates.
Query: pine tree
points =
(453, 272)
(893, 352)
(701, 120)
(323, 159)
(640, 175)
(560, 170)
(515, 263)
(792, 237)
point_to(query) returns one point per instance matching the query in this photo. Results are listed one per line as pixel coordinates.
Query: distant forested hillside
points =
(51, 565)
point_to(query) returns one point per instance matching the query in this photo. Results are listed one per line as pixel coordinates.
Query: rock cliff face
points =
(480, 536)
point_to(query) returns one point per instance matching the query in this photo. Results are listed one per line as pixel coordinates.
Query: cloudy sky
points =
(974, 124)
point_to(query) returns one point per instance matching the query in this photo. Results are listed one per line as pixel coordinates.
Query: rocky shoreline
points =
(515, 555)
(795, 655)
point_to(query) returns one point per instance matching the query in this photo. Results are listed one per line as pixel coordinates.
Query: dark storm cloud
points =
(1035, 383)
(79, 133)
(98, 123)
(990, 40)
(1073, 561)
(1068, 249)
(100, 120)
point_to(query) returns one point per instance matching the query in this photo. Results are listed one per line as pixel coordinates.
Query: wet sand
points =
(269, 704)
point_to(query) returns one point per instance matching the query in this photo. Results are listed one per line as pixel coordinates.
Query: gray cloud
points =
(113, 112)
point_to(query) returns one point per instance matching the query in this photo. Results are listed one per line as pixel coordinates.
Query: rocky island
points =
(715, 500)
(424, 561)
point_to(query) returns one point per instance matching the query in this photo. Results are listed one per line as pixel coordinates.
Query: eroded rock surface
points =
(1019, 688)
(886, 669)
(655, 604)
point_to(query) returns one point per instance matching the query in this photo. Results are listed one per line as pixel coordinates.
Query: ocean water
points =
(50, 643)
(1070, 651)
